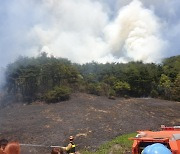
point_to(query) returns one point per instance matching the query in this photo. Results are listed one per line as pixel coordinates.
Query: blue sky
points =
(86, 30)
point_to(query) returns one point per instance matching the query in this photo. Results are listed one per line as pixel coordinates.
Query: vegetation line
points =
(119, 145)
(53, 79)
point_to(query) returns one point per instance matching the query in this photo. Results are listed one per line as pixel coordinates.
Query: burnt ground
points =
(93, 120)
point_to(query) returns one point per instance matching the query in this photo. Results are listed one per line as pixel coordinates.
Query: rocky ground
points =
(91, 119)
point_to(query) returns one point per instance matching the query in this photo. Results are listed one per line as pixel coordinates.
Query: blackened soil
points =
(91, 119)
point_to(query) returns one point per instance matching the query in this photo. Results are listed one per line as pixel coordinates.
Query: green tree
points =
(176, 89)
(57, 94)
(171, 67)
(121, 88)
(165, 86)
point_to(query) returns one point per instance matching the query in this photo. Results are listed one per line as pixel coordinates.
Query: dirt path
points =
(91, 119)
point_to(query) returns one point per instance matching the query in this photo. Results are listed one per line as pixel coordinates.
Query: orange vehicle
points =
(168, 136)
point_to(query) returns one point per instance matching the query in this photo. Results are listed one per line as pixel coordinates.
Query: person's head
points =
(156, 148)
(57, 151)
(71, 138)
(12, 148)
(3, 144)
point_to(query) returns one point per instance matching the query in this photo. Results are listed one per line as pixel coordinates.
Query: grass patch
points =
(119, 145)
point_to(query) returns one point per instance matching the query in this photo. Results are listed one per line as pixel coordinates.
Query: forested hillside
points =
(53, 79)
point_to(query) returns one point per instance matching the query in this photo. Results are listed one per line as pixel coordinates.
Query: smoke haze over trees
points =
(110, 32)
(86, 30)
(54, 79)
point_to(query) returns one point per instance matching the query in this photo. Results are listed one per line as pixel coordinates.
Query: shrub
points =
(121, 88)
(99, 89)
(94, 88)
(57, 94)
(154, 93)
(111, 94)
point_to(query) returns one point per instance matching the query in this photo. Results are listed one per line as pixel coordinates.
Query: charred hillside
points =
(93, 120)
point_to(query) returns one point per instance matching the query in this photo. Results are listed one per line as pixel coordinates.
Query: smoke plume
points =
(82, 32)
(87, 30)
(135, 34)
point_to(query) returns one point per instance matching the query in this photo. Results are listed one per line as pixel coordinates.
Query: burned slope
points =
(91, 119)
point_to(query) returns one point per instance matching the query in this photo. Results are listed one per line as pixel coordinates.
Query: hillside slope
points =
(91, 119)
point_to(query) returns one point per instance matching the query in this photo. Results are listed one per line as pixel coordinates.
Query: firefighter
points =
(70, 149)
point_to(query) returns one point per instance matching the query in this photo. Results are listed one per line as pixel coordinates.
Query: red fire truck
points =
(168, 136)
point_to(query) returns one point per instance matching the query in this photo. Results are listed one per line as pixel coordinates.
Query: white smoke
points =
(80, 30)
(2, 77)
(75, 31)
(135, 34)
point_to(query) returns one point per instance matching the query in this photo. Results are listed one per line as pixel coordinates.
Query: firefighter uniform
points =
(70, 149)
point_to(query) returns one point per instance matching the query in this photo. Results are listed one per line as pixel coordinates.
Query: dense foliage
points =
(53, 79)
(41, 78)
(57, 94)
